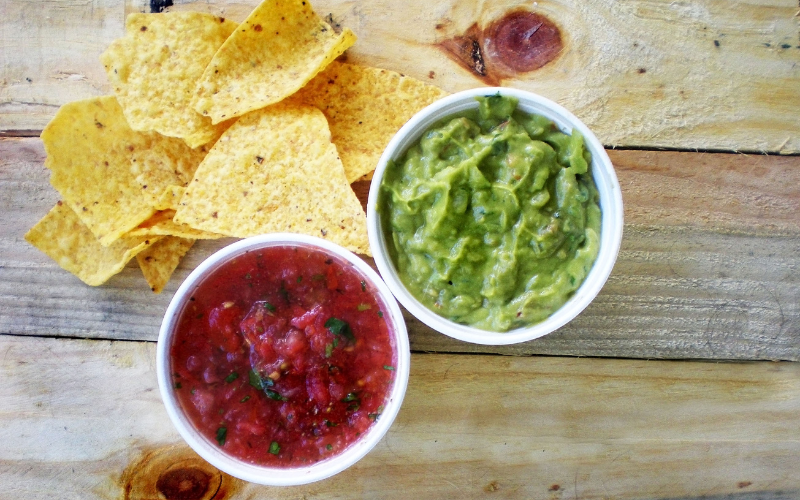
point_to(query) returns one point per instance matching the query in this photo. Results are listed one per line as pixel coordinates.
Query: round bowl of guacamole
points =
(494, 216)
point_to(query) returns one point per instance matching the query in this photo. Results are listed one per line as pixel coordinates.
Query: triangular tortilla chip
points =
(163, 170)
(274, 52)
(160, 260)
(365, 107)
(275, 170)
(89, 149)
(65, 239)
(170, 197)
(155, 67)
(161, 224)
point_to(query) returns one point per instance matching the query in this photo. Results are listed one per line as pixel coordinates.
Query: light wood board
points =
(707, 74)
(708, 266)
(80, 415)
(708, 269)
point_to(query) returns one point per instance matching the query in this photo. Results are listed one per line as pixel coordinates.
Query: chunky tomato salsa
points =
(283, 357)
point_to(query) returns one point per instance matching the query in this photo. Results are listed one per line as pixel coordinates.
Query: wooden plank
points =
(79, 417)
(710, 74)
(49, 56)
(708, 266)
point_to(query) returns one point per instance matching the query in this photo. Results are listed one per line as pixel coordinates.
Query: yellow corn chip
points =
(90, 148)
(160, 260)
(65, 239)
(161, 224)
(280, 46)
(155, 68)
(170, 198)
(275, 170)
(365, 107)
(164, 169)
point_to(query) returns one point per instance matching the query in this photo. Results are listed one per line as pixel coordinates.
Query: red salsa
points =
(283, 357)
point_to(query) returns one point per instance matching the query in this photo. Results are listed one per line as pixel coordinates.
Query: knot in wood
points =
(187, 483)
(523, 41)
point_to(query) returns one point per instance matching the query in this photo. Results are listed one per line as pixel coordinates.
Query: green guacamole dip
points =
(492, 218)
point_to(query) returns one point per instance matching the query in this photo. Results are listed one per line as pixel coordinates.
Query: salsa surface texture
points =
(283, 357)
(492, 218)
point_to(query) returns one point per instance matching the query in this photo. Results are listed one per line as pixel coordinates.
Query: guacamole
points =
(492, 218)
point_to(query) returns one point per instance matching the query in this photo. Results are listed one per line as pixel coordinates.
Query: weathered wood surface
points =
(80, 415)
(707, 74)
(708, 270)
(708, 267)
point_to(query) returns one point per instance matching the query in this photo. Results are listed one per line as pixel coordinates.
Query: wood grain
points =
(470, 427)
(709, 74)
(708, 266)
(49, 56)
(708, 269)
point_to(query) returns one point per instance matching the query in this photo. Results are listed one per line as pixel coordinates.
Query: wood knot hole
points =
(523, 41)
(518, 42)
(175, 473)
(188, 483)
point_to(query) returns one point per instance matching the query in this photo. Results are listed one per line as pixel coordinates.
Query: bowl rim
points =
(610, 201)
(274, 476)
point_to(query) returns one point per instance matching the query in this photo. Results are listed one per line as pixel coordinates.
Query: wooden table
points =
(680, 381)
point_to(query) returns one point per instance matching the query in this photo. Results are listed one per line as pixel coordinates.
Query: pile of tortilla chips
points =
(217, 129)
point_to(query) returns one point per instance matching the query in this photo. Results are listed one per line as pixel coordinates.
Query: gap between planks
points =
(11, 134)
(425, 352)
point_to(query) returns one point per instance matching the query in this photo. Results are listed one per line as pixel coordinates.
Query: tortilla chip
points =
(160, 260)
(275, 170)
(275, 51)
(161, 224)
(65, 239)
(365, 107)
(89, 149)
(89, 146)
(170, 198)
(164, 169)
(155, 67)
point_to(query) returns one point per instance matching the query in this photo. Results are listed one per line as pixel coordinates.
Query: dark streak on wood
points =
(466, 50)
(20, 133)
(157, 6)
(334, 24)
(477, 58)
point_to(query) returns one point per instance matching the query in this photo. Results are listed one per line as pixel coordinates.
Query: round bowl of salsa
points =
(495, 216)
(283, 359)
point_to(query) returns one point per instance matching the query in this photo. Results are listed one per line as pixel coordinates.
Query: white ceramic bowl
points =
(270, 475)
(610, 205)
